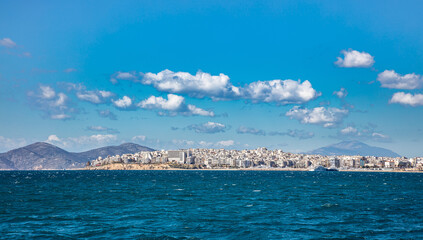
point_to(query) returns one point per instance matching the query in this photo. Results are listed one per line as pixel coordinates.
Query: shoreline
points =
(165, 167)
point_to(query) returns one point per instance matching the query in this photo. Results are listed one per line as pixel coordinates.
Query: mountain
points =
(43, 155)
(354, 148)
(112, 150)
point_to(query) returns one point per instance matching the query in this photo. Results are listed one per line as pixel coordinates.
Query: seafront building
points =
(257, 158)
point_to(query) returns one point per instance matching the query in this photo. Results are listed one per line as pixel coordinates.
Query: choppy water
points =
(210, 205)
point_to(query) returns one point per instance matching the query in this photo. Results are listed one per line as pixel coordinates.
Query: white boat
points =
(319, 169)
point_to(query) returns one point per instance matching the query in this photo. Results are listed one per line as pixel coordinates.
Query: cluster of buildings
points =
(258, 158)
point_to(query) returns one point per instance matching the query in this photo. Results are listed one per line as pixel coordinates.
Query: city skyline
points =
(294, 75)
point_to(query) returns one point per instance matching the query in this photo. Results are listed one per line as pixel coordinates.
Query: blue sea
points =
(210, 205)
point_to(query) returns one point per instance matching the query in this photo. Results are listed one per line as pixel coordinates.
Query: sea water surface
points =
(210, 205)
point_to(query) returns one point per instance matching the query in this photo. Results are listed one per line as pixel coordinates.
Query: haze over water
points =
(210, 205)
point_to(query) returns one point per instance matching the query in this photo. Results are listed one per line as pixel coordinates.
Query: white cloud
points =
(89, 97)
(54, 105)
(353, 58)
(341, 93)
(391, 79)
(349, 130)
(208, 127)
(219, 87)
(82, 142)
(124, 76)
(225, 143)
(366, 133)
(7, 42)
(327, 117)
(193, 110)
(199, 85)
(280, 91)
(95, 96)
(53, 138)
(47, 92)
(123, 103)
(247, 130)
(60, 116)
(7, 144)
(407, 99)
(174, 105)
(380, 137)
(105, 94)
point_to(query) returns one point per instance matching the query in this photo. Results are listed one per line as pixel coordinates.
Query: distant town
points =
(260, 158)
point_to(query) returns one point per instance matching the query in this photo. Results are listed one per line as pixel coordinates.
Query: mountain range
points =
(43, 155)
(354, 148)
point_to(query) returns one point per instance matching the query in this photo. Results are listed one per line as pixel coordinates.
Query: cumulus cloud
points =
(123, 103)
(366, 133)
(407, 99)
(82, 142)
(248, 130)
(219, 87)
(7, 42)
(54, 105)
(341, 93)
(296, 133)
(53, 138)
(199, 85)
(391, 79)
(355, 59)
(280, 91)
(208, 127)
(92, 96)
(173, 105)
(47, 92)
(326, 117)
(102, 129)
(124, 76)
(349, 130)
(107, 114)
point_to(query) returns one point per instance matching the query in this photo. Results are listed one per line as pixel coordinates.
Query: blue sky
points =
(293, 75)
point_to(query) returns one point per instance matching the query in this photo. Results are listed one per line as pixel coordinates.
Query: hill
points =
(112, 150)
(43, 155)
(354, 148)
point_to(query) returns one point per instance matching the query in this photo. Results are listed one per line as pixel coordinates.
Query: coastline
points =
(160, 167)
(166, 167)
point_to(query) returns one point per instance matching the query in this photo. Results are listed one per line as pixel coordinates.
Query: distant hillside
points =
(43, 155)
(112, 150)
(354, 148)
